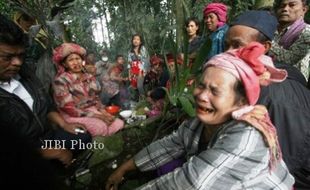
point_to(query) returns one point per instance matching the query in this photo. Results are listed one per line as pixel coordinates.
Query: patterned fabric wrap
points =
(94, 126)
(77, 100)
(111, 88)
(218, 41)
(268, 130)
(135, 71)
(135, 67)
(293, 32)
(74, 95)
(297, 54)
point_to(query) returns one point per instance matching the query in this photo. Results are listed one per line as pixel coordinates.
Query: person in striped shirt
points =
(225, 146)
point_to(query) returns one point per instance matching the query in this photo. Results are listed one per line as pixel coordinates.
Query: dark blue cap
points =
(262, 21)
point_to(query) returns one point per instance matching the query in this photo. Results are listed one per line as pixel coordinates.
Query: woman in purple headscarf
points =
(215, 16)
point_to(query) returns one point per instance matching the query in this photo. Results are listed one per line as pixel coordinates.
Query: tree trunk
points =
(179, 15)
(106, 22)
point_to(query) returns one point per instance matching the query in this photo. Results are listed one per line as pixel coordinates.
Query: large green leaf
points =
(201, 56)
(187, 106)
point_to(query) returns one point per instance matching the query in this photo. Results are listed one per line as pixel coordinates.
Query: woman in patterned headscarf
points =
(76, 93)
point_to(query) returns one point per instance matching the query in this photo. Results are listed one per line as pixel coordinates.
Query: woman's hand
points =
(114, 180)
(118, 175)
(65, 156)
(258, 113)
(56, 118)
(74, 127)
(105, 116)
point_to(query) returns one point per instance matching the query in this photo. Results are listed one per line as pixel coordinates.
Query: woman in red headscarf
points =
(157, 76)
(76, 93)
(224, 148)
(215, 17)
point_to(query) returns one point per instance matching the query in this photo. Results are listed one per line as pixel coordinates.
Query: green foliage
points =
(151, 19)
(78, 20)
(179, 93)
(201, 57)
(5, 8)
(187, 106)
(264, 3)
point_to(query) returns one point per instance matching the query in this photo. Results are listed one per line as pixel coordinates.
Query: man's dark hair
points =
(90, 52)
(195, 20)
(26, 17)
(142, 42)
(11, 34)
(261, 38)
(118, 56)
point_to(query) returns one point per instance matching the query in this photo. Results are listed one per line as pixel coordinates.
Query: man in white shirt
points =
(25, 105)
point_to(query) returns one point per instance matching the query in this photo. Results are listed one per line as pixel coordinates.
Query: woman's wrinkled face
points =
(73, 63)
(192, 28)
(211, 20)
(215, 96)
(290, 10)
(136, 41)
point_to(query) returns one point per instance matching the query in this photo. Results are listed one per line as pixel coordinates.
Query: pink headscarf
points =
(246, 72)
(64, 50)
(219, 9)
(247, 64)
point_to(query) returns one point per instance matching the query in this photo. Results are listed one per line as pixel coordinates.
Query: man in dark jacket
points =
(25, 104)
(288, 102)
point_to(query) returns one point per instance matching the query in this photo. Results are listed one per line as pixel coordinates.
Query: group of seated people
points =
(220, 155)
(232, 143)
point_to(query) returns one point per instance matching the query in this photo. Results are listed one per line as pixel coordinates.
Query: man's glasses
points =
(9, 57)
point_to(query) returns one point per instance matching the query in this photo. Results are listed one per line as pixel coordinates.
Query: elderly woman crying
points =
(76, 93)
(224, 147)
